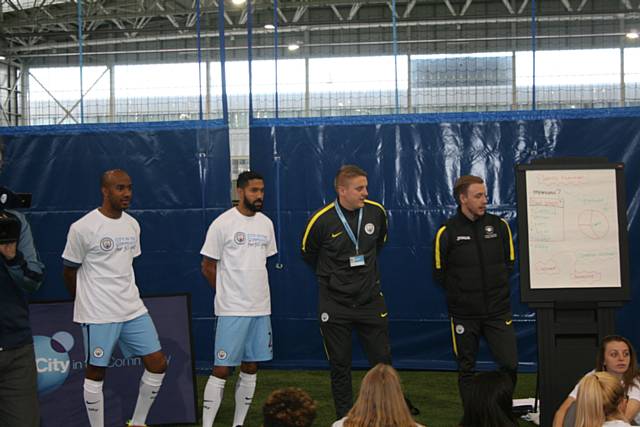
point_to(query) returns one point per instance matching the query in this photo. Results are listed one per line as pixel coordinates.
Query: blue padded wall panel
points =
(412, 163)
(181, 181)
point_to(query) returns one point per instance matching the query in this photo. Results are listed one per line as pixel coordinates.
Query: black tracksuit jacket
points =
(472, 261)
(327, 248)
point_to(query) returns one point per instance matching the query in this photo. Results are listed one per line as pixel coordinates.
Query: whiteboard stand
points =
(574, 267)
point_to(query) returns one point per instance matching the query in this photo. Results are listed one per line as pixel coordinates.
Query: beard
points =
(253, 207)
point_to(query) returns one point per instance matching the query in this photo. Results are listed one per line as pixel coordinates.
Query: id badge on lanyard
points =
(357, 260)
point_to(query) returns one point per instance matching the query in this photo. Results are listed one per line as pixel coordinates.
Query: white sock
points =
(212, 399)
(245, 387)
(94, 402)
(149, 385)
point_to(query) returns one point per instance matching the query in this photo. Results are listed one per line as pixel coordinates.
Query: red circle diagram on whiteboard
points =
(593, 224)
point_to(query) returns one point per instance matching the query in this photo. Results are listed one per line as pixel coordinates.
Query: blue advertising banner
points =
(60, 360)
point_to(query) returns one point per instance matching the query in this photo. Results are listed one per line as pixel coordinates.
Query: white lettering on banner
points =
(124, 362)
(44, 364)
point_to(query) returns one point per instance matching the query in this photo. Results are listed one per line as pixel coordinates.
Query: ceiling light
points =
(293, 46)
(633, 34)
(269, 27)
(2, 58)
(238, 2)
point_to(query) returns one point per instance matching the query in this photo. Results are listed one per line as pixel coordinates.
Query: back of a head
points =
(380, 401)
(289, 407)
(490, 401)
(599, 395)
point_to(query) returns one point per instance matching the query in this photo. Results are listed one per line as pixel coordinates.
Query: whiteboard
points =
(573, 229)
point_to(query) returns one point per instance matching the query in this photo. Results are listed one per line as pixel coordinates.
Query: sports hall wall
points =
(180, 173)
(412, 162)
(181, 182)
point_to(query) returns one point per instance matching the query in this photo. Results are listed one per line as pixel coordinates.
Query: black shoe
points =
(414, 411)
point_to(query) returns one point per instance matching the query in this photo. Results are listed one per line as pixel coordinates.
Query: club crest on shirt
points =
(106, 244)
(98, 352)
(324, 317)
(240, 238)
(369, 228)
(489, 232)
(221, 355)
(459, 329)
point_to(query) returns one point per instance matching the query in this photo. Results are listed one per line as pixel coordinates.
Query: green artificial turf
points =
(434, 393)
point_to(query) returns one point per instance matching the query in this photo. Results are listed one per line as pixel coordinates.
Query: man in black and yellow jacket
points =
(341, 242)
(473, 256)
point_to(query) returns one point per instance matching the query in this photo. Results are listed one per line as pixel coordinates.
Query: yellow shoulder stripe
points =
(312, 221)
(371, 202)
(437, 250)
(512, 253)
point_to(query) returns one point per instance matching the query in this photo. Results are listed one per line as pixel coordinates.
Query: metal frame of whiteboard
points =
(620, 292)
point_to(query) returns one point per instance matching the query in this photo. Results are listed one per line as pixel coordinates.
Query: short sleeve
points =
(213, 242)
(574, 392)
(634, 390)
(272, 249)
(138, 250)
(74, 250)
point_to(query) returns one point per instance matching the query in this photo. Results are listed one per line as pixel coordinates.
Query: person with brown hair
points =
(490, 401)
(617, 357)
(601, 401)
(342, 242)
(380, 402)
(289, 407)
(473, 257)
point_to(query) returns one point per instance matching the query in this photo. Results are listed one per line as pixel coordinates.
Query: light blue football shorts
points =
(243, 339)
(136, 337)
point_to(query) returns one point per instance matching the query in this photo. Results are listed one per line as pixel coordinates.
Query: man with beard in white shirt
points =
(234, 257)
(98, 272)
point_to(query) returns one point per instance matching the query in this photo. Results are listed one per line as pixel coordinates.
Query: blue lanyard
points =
(348, 229)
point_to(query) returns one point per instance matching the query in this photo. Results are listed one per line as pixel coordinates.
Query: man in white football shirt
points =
(235, 254)
(98, 272)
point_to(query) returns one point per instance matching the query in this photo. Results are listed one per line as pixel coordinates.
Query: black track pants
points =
(337, 323)
(501, 338)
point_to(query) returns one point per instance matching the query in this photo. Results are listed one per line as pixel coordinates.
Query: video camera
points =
(9, 224)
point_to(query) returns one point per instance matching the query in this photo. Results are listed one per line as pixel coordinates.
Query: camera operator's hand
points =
(8, 250)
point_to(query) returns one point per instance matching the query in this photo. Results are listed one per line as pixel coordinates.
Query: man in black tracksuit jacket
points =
(348, 279)
(473, 256)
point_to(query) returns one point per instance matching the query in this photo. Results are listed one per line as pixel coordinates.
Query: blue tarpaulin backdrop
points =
(412, 162)
(181, 182)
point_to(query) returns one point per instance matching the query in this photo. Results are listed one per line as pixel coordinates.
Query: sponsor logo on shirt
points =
(459, 238)
(369, 228)
(240, 238)
(490, 232)
(257, 239)
(126, 243)
(106, 244)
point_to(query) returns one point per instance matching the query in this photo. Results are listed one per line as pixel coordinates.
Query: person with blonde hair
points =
(380, 402)
(601, 401)
(616, 356)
